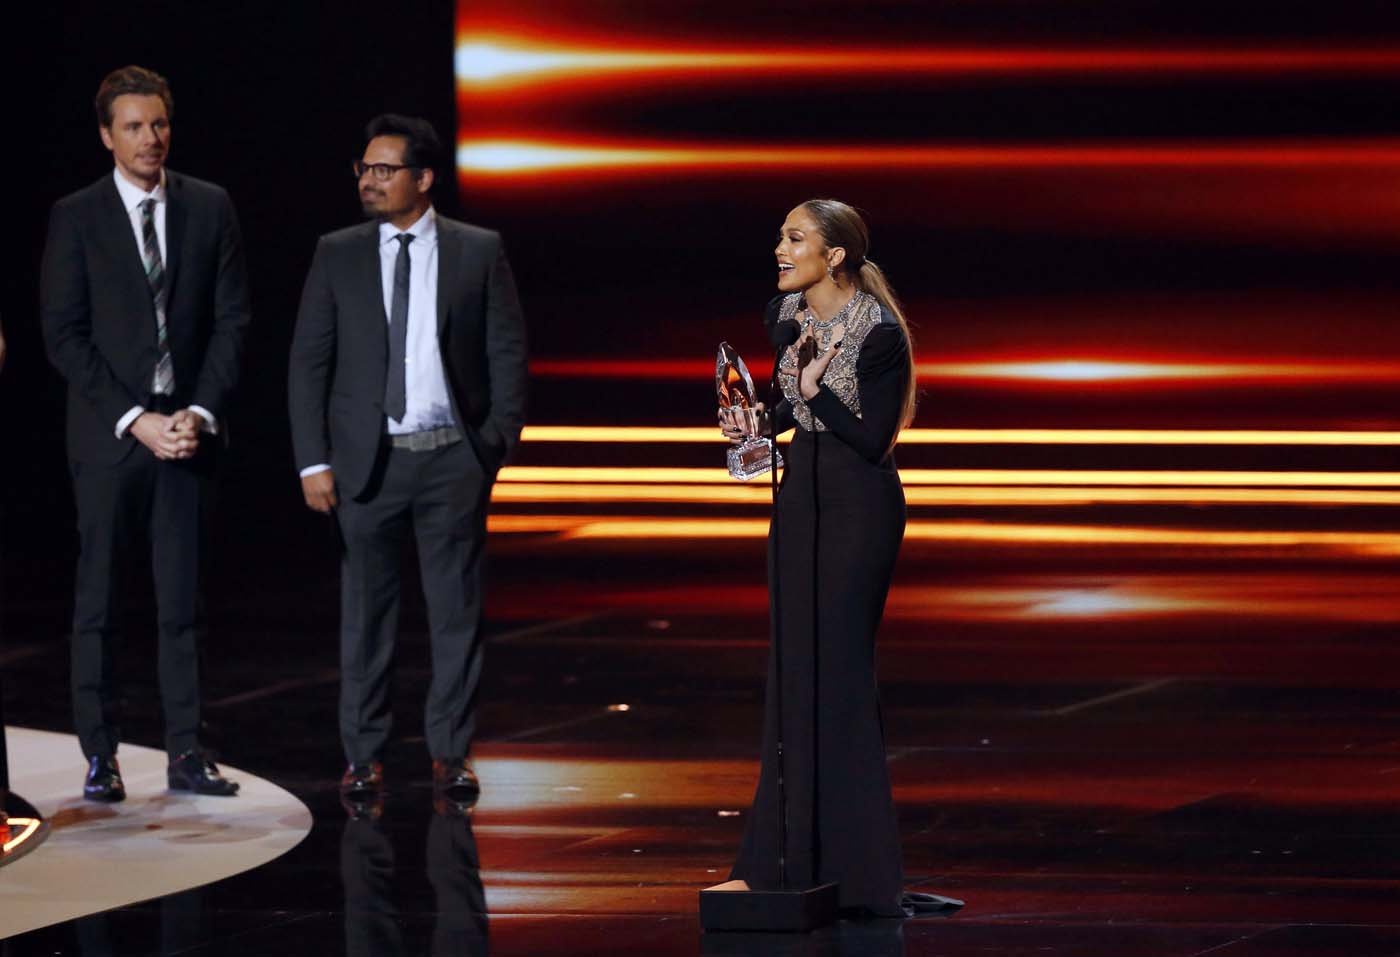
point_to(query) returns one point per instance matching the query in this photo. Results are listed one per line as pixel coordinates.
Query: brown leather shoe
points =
(364, 778)
(456, 780)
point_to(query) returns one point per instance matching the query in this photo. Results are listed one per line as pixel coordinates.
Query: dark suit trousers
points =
(138, 501)
(438, 497)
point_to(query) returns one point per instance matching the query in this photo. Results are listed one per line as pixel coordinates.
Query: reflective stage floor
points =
(1121, 748)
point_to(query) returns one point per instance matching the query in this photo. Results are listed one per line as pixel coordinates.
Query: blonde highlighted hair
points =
(840, 225)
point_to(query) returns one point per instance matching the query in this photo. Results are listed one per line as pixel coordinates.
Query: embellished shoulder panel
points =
(858, 317)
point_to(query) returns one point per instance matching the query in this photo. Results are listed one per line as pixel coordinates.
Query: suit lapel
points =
(175, 214)
(371, 281)
(116, 226)
(448, 250)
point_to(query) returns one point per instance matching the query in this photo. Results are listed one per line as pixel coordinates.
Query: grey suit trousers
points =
(439, 499)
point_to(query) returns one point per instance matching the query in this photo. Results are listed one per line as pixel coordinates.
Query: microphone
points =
(784, 334)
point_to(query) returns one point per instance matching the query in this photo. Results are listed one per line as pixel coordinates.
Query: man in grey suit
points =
(407, 392)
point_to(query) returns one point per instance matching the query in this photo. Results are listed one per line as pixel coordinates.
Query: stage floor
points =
(153, 844)
(1113, 752)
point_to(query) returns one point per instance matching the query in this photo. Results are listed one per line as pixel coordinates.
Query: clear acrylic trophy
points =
(752, 457)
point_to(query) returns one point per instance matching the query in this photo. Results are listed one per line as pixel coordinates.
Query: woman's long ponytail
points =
(872, 280)
(841, 225)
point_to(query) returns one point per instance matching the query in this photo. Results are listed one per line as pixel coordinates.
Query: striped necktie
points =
(163, 382)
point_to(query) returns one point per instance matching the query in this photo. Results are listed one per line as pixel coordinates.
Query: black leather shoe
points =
(362, 779)
(104, 781)
(456, 780)
(192, 771)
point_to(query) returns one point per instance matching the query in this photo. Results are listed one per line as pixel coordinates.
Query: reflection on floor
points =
(1104, 748)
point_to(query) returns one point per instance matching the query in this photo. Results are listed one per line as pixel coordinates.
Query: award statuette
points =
(751, 457)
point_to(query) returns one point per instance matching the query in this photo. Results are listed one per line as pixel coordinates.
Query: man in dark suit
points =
(144, 303)
(407, 392)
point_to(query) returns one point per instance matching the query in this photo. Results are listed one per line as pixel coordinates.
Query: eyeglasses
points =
(380, 171)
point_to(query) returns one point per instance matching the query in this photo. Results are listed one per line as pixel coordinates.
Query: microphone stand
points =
(733, 905)
(775, 586)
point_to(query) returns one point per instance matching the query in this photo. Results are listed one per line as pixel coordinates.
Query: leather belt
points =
(427, 440)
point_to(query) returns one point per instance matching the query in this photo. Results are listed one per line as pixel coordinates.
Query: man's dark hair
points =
(422, 148)
(135, 80)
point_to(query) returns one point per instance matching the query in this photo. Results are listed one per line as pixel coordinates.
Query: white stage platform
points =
(156, 842)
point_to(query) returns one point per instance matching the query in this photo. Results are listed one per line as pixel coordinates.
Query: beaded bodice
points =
(858, 316)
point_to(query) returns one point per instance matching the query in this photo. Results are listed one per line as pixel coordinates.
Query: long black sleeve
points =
(311, 365)
(506, 359)
(881, 374)
(781, 411)
(65, 308)
(223, 356)
(783, 417)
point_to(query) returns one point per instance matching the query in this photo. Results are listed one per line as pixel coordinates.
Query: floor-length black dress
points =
(839, 523)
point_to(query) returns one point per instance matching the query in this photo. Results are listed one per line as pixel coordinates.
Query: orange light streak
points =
(1048, 370)
(494, 62)
(605, 434)
(1298, 597)
(735, 492)
(1094, 370)
(1348, 596)
(491, 157)
(642, 476)
(621, 528)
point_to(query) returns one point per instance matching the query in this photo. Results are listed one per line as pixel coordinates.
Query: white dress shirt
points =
(132, 198)
(425, 382)
(429, 405)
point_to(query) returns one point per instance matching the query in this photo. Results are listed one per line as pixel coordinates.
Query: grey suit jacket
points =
(340, 350)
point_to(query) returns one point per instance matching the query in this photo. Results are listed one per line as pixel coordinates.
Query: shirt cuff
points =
(211, 424)
(125, 421)
(313, 469)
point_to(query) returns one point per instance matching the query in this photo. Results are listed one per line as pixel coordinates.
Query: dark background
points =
(270, 102)
(1194, 263)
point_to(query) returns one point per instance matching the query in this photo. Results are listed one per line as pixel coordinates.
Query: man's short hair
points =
(422, 148)
(135, 80)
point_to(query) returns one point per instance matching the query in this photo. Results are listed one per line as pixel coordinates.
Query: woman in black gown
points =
(848, 387)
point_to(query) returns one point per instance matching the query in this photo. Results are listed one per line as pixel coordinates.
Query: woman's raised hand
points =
(810, 376)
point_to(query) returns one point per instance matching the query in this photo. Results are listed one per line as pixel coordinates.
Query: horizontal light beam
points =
(1050, 370)
(980, 477)
(485, 62)
(954, 495)
(1090, 370)
(603, 435)
(578, 527)
(489, 157)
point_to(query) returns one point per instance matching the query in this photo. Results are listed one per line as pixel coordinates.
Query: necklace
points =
(829, 324)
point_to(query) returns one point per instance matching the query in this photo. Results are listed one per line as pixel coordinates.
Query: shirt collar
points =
(132, 195)
(424, 231)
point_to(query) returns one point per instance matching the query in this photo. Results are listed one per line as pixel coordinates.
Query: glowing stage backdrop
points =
(1147, 254)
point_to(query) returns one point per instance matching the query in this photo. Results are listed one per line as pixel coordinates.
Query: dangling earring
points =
(831, 273)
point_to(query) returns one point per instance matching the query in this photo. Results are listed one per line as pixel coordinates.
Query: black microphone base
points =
(733, 906)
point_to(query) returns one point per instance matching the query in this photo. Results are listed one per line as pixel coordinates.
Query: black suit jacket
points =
(99, 320)
(340, 350)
